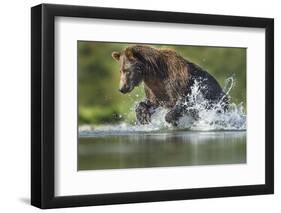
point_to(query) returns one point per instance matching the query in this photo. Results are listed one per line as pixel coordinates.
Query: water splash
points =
(209, 118)
(214, 117)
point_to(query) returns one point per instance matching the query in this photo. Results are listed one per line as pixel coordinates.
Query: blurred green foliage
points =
(100, 101)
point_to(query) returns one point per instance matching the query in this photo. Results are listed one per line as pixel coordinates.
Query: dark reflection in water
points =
(142, 150)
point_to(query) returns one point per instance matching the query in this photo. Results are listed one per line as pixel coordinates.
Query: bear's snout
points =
(125, 89)
(122, 90)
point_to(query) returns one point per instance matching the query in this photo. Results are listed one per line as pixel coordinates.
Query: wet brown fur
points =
(165, 74)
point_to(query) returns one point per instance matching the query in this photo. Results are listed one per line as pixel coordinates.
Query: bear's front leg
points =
(178, 111)
(173, 116)
(144, 110)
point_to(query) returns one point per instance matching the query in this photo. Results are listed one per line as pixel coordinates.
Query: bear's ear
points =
(116, 55)
(129, 53)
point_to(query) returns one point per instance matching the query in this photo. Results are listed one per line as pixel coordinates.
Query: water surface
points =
(160, 149)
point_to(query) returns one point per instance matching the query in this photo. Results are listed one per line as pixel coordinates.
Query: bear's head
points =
(131, 69)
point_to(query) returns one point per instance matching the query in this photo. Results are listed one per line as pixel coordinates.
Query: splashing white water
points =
(215, 117)
(209, 118)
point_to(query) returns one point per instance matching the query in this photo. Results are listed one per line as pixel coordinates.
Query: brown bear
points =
(168, 79)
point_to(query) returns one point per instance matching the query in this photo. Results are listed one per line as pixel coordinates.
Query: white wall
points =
(15, 106)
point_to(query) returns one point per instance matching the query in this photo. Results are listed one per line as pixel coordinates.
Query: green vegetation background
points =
(99, 100)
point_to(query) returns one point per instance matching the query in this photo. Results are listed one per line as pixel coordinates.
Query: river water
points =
(100, 150)
(217, 137)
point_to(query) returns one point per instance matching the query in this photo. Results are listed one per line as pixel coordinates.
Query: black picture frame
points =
(43, 102)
